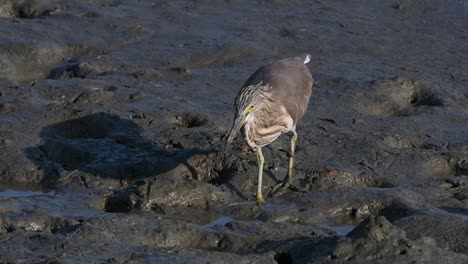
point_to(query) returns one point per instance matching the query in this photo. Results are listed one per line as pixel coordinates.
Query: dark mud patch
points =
(448, 230)
(96, 126)
(190, 120)
(103, 145)
(283, 258)
(397, 97)
(23, 8)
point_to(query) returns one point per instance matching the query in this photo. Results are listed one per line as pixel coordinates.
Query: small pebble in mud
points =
(330, 172)
(245, 150)
(183, 73)
(148, 75)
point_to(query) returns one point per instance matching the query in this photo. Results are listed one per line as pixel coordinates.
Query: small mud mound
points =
(27, 61)
(326, 179)
(148, 75)
(401, 142)
(397, 97)
(214, 168)
(352, 205)
(39, 223)
(22, 8)
(72, 70)
(163, 192)
(441, 166)
(190, 120)
(182, 73)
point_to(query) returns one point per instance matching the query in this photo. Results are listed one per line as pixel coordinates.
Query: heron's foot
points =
(260, 199)
(280, 188)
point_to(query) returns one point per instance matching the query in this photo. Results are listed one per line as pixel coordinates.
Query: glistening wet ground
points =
(114, 115)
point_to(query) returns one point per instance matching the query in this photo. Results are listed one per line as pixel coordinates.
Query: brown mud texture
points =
(114, 115)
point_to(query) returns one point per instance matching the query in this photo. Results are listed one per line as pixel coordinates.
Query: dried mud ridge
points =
(113, 125)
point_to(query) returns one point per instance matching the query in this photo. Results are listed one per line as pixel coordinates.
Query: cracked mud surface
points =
(114, 115)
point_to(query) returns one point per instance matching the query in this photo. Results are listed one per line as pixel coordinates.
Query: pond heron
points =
(271, 102)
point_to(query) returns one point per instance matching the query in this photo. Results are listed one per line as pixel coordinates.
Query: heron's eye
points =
(248, 109)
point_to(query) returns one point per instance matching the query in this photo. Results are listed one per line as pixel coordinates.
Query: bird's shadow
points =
(104, 145)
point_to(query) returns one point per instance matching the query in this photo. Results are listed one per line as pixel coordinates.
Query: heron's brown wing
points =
(296, 105)
(290, 84)
(296, 91)
(288, 81)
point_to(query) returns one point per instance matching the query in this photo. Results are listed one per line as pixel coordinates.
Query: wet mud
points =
(114, 116)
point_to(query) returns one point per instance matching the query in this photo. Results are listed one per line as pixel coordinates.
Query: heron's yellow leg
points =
(260, 161)
(291, 158)
(287, 180)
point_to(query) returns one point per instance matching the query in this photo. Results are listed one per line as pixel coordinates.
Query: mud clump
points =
(22, 8)
(190, 120)
(148, 75)
(72, 70)
(374, 240)
(398, 97)
(28, 61)
(214, 168)
(442, 166)
(327, 178)
(183, 73)
(39, 223)
(165, 193)
(400, 142)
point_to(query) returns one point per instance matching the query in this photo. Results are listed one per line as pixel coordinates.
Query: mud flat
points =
(113, 117)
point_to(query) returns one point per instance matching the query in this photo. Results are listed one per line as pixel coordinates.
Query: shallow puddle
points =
(10, 193)
(222, 220)
(342, 230)
(58, 204)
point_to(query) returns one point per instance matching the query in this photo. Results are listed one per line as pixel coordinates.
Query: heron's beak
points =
(236, 126)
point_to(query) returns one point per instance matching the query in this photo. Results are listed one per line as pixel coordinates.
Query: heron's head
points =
(242, 116)
(246, 102)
